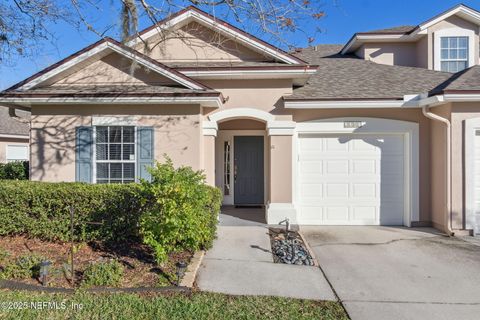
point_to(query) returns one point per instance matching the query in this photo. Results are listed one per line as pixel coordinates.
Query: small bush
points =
(26, 266)
(17, 170)
(4, 254)
(182, 210)
(104, 273)
(41, 210)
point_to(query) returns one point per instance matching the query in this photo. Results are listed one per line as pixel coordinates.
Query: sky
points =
(343, 18)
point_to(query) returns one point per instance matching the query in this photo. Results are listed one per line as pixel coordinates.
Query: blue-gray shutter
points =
(144, 152)
(83, 154)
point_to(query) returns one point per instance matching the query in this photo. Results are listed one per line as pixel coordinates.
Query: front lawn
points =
(197, 305)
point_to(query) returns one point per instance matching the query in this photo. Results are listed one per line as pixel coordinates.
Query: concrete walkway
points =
(399, 273)
(241, 263)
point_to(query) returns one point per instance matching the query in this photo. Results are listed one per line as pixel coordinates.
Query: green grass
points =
(198, 305)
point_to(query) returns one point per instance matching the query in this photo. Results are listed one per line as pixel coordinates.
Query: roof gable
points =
(193, 14)
(95, 52)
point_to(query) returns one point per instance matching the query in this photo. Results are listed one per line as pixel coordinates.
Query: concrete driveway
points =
(399, 273)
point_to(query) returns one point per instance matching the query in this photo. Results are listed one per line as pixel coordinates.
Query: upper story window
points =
(453, 53)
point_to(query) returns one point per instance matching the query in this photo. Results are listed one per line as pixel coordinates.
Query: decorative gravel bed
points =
(289, 249)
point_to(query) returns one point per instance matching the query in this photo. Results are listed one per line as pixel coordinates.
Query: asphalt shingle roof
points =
(467, 80)
(14, 125)
(347, 77)
(398, 29)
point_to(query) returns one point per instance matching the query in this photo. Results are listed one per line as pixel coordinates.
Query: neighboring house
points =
(14, 135)
(321, 135)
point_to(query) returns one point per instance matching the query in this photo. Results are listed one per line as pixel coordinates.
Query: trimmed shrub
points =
(103, 273)
(182, 211)
(17, 170)
(42, 210)
(24, 267)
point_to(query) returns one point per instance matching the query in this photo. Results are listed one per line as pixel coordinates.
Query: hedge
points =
(17, 170)
(42, 210)
(176, 211)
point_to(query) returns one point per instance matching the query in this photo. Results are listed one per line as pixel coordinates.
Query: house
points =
(14, 135)
(383, 130)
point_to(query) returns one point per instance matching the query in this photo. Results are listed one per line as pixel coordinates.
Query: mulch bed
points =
(140, 269)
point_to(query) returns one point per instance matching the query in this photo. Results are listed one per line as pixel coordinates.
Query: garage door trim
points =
(410, 132)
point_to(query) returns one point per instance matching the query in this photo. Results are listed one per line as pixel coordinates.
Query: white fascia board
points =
(459, 97)
(67, 65)
(206, 21)
(154, 67)
(14, 136)
(248, 74)
(347, 104)
(464, 12)
(204, 101)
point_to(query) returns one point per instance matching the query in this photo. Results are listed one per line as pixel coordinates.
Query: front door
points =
(248, 170)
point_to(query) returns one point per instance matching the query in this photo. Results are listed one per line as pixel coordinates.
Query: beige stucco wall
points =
(194, 43)
(280, 169)
(4, 142)
(260, 94)
(401, 54)
(438, 167)
(177, 134)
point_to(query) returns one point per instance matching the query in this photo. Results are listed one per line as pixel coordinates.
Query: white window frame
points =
(94, 153)
(453, 32)
(16, 145)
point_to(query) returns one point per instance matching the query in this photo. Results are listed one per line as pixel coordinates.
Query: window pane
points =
(115, 171)
(102, 171)
(453, 53)
(115, 134)
(444, 41)
(462, 54)
(102, 134)
(452, 42)
(102, 152)
(129, 171)
(444, 66)
(128, 134)
(128, 152)
(444, 54)
(115, 152)
(102, 181)
(463, 42)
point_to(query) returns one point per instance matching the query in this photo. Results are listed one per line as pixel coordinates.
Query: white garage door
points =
(351, 179)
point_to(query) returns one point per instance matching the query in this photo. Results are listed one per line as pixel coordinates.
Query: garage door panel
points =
(351, 179)
(364, 190)
(336, 166)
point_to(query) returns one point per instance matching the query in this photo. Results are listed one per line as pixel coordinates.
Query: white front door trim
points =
(361, 125)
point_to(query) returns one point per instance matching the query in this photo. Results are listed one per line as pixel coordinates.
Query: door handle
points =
(235, 172)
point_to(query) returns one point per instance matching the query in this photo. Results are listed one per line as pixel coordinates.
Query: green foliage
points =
(26, 266)
(41, 210)
(104, 273)
(182, 210)
(4, 254)
(17, 170)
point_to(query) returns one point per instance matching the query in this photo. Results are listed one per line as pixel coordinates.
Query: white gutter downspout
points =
(448, 216)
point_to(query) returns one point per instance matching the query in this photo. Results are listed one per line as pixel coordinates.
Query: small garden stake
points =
(72, 275)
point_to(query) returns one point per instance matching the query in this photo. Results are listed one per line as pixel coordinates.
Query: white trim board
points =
(214, 102)
(409, 130)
